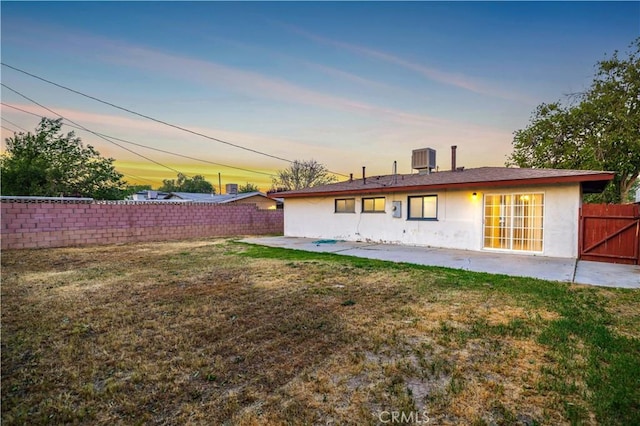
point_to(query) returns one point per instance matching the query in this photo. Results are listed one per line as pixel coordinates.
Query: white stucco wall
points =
(459, 224)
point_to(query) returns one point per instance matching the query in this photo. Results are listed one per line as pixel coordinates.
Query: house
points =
(261, 200)
(534, 211)
(149, 195)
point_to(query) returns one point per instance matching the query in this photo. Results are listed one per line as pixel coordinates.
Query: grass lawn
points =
(218, 332)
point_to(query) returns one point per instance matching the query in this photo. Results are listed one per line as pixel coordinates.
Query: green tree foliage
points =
(600, 130)
(249, 187)
(50, 163)
(196, 184)
(302, 174)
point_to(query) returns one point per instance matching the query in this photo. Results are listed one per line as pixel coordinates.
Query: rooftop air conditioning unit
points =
(423, 159)
(232, 188)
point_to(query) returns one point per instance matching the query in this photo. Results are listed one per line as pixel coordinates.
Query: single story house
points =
(534, 211)
(261, 200)
(148, 195)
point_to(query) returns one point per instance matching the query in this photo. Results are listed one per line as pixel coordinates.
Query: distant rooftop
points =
(209, 198)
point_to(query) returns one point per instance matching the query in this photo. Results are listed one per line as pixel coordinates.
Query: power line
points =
(150, 147)
(138, 177)
(6, 128)
(184, 129)
(14, 124)
(90, 131)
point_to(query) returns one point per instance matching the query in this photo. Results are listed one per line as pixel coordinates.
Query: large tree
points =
(196, 184)
(302, 174)
(598, 129)
(50, 163)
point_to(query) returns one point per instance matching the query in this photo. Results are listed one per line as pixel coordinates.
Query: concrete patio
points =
(546, 268)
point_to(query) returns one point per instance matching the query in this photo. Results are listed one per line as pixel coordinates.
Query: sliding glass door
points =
(514, 221)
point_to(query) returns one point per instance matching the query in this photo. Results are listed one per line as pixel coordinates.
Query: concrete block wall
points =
(49, 223)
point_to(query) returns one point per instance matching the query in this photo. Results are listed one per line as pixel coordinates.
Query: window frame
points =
(337, 211)
(422, 218)
(384, 204)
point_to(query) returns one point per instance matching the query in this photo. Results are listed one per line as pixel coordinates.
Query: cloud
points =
(337, 143)
(159, 136)
(452, 79)
(253, 83)
(257, 84)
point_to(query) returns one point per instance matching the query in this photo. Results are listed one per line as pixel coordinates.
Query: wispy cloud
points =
(331, 71)
(389, 129)
(449, 78)
(158, 136)
(253, 83)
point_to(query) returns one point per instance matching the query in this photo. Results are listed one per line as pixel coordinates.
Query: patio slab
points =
(546, 268)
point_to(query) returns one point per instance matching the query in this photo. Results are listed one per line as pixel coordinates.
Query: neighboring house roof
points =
(593, 181)
(209, 198)
(149, 195)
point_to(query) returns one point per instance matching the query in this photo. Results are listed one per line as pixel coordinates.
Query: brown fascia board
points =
(605, 176)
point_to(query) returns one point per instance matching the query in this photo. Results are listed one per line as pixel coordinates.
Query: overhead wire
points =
(152, 148)
(139, 178)
(14, 124)
(70, 125)
(90, 131)
(6, 128)
(184, 129)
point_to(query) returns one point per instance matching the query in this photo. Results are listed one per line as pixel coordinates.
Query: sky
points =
(260, 84)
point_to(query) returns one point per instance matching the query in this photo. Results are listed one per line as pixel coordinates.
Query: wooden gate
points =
(610, 233)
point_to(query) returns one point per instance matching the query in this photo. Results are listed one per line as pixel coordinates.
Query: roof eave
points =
(604, 176)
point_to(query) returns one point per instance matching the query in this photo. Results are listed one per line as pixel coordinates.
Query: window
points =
(346, 205)
(514, 221)
(424, 207)
(373, 205)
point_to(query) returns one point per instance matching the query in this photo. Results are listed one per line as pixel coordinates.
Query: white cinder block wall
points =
(459, 224)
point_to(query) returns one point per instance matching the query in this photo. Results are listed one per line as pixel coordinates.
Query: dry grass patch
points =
(213, 332)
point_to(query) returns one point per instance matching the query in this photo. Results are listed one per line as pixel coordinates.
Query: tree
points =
(196, 184)
(49, 163)
(600, 130)
(302, 174)
(249, 187)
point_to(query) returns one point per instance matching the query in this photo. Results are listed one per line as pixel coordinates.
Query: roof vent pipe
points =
(453, 157)
(350, 177)
(395, 171)
(364, 177)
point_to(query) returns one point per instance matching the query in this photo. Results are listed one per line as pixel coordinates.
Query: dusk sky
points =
(347, 84)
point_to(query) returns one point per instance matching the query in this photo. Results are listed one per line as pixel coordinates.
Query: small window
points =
(424, 207)
(346, 205)
(373, 205)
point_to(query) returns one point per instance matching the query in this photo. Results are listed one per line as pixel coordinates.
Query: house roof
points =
(592, 181)
(209, 198)
(159, 195)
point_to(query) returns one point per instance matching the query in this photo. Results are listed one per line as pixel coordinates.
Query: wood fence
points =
(610, 233)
